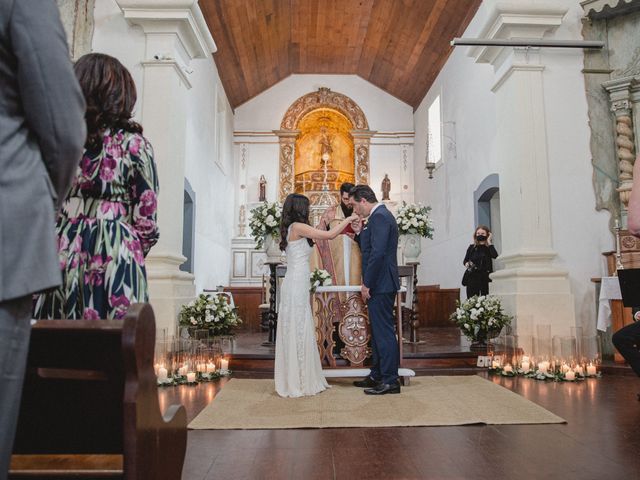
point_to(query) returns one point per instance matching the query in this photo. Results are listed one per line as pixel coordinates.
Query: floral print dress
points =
(105, 229)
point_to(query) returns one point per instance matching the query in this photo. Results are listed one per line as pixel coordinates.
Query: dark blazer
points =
(379, 246)
(42, 133)
(482, 256)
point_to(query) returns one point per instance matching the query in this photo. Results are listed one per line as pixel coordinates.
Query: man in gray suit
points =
(42, 132)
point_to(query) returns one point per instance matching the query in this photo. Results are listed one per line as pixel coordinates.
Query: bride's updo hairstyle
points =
(295, 209)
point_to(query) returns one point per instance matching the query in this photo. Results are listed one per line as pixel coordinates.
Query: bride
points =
(297, 367)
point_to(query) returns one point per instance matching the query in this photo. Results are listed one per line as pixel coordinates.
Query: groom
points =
(380, 282)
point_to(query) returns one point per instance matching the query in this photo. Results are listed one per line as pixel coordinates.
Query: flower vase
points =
(412, 248)
(272, 248)
(479, 346)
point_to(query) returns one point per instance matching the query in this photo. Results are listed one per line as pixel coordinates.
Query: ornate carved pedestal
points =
(341, 309)
(414, 321)
(271, 315)
(349, 317)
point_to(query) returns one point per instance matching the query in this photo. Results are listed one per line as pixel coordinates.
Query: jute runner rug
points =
(428, 401)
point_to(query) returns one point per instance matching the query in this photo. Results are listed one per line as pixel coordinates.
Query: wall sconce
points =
(430, 166)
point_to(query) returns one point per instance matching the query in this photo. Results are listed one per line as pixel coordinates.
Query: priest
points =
(340, 256)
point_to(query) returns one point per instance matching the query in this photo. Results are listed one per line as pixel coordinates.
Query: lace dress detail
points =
(298, 371)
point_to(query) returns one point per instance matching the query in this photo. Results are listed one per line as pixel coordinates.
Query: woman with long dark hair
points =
(297, 367)
(107, 223)
(478, 262)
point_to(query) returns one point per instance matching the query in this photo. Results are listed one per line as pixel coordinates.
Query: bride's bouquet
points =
(319, 278)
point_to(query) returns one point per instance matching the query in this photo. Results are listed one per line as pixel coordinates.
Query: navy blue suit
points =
(379, 245)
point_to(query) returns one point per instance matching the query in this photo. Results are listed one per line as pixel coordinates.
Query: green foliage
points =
(211, 312)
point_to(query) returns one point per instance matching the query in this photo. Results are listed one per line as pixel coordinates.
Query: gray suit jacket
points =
(42, 132)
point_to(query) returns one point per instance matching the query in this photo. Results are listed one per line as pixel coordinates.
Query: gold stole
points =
(330, 256)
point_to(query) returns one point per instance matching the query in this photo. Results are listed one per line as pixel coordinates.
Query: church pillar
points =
(530, 285)
(175, 33)
(361, 142)
(287, 139)
(621, 91)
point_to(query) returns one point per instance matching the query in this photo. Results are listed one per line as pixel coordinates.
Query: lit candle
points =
(191, 377)
(162, 374)
(224, 364)
(182, 371)
(579, 371)
(565, 368)
(201, 367)
(508, 368)
(156, 367)
(211, 367)
(543, 367)
(591, 370)
(570, 376)
(525, 359)
(525, 366)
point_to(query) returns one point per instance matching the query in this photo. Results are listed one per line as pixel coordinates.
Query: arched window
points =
(486, 201)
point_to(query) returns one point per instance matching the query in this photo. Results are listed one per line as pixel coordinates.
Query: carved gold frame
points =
(288, 133)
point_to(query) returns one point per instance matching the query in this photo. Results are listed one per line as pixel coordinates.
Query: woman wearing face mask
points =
(478, 262)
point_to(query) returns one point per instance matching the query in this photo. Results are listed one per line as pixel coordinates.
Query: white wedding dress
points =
(298, 371)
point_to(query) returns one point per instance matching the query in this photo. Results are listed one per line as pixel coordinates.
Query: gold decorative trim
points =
(324, 98)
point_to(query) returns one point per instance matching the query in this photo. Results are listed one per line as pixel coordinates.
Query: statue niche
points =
(324, 148)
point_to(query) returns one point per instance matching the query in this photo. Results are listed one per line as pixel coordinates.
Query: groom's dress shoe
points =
(383, 389)
(367, 382)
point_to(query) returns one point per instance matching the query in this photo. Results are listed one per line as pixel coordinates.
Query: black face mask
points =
(481, 238)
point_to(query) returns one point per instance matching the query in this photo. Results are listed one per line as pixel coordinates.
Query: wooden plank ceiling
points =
(398, 45)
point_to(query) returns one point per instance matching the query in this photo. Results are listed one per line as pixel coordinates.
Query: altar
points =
(341, 315)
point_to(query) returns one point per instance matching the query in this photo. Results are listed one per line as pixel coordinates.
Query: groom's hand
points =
(366, 295)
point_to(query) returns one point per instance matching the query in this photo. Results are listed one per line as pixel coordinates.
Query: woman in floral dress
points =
(107, 224)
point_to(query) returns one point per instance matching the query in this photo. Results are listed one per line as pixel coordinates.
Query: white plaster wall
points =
(579, 233)
(265, 111)
(212, 184)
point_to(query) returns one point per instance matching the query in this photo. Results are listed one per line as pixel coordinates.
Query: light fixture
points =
(430, 166)
(547, 43)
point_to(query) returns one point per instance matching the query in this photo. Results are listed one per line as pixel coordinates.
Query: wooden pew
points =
(90, 404)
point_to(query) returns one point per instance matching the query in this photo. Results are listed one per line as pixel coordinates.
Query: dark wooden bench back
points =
(90, 388)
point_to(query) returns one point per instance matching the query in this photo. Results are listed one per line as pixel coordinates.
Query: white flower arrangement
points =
(480, 317)
(265, 220)
(211, 312)
(414, 218)
(319, 278)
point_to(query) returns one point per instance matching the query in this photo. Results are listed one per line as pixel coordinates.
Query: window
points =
(434, 132)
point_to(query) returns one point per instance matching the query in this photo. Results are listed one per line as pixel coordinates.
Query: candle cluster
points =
(541, 356)
(190, 361)
(543, 369)
(192, 371)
